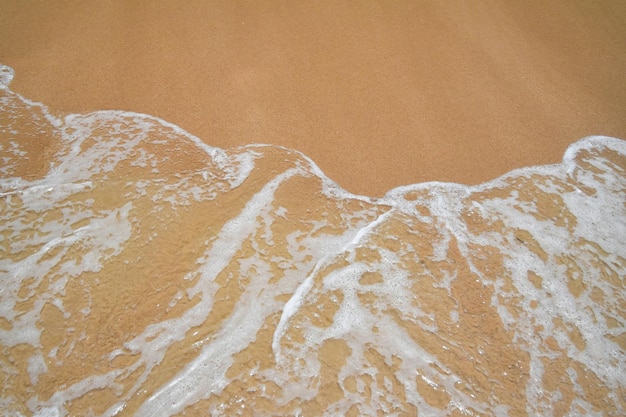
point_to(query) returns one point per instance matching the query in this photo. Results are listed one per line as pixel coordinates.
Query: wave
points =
(146, 273)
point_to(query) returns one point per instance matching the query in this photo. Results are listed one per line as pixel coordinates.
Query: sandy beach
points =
(145, 273)
(378, 94)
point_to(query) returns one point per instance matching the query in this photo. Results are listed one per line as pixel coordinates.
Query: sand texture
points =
(146, 274)
(379, 94)
(168, 265)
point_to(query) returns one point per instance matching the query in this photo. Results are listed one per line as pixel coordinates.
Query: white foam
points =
(6, 75)
(315, 266)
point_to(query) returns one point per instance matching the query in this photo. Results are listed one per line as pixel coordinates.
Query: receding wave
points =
(146, 273)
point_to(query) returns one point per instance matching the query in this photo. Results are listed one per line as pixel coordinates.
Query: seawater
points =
(146, 273)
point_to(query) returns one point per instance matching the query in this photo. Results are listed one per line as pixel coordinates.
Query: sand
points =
(377, 94)
(162, 284)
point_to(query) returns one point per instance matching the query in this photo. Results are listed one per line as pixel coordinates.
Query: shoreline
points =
(375, 95)
(484, 286)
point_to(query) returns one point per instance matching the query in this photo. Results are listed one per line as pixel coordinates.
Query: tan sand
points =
(185, 232)
(379, 94)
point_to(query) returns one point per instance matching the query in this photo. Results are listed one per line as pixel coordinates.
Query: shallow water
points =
(146, 273)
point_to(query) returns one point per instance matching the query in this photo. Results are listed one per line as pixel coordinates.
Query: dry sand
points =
(379, 94)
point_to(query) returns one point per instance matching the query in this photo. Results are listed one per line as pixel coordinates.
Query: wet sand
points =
(143, 275)
(377, 94)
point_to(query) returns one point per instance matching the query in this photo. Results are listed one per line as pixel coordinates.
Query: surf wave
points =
(146, 273)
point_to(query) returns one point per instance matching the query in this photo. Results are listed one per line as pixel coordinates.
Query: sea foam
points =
(147, 273)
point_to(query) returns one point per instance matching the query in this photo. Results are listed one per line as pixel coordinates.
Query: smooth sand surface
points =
(379, 94)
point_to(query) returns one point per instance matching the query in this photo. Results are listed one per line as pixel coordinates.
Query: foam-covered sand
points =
(379, 94)
(146, 273)
(149, 271)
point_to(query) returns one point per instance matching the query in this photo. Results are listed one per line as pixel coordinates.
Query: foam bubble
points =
(6, 75)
